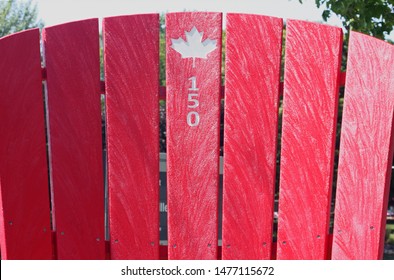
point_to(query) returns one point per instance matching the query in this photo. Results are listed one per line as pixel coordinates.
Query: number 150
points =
(193, 118)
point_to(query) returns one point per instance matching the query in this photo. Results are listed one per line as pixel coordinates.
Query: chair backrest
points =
(51, 160)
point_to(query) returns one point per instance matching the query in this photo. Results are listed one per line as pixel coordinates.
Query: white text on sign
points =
(193, 118)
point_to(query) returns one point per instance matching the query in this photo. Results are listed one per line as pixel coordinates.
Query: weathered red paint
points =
(366, 150)
(253, 51)
(131, 55)
(311, 88)
(74, 113)
(193, 151)
(25, 230)
(311, 85)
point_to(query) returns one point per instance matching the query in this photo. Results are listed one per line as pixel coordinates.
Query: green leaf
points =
(326, 14)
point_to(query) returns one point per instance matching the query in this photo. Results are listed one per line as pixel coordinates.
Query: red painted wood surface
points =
(366, 150)
(253, 56)
(312, 64)
(73, 93)
(131, 54)
(25, 230)
(193, 88)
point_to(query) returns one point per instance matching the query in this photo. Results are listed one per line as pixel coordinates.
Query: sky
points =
(57, 11)
(54, 12)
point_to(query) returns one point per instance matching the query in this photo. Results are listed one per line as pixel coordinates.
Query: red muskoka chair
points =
(51, 166)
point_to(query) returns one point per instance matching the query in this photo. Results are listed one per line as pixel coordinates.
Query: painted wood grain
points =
(312, 64)
(366, 150)
(253, 56)
(74, 112)
(25, 229)
(193, 92)
(131, 55)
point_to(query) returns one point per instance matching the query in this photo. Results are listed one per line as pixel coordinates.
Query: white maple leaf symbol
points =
(193, 47)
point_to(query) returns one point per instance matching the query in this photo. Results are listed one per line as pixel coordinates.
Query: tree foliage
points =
(373, 17)
(17, 15)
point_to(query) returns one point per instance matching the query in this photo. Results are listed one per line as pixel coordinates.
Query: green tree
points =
(373, 17)
(162, 43)
(17, 15)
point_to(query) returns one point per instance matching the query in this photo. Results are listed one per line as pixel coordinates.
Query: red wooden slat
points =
(73, 85)
(312, 63)
(253, 56)
(131, 55)
(193, 96)
(366, 150)
(25, 230)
